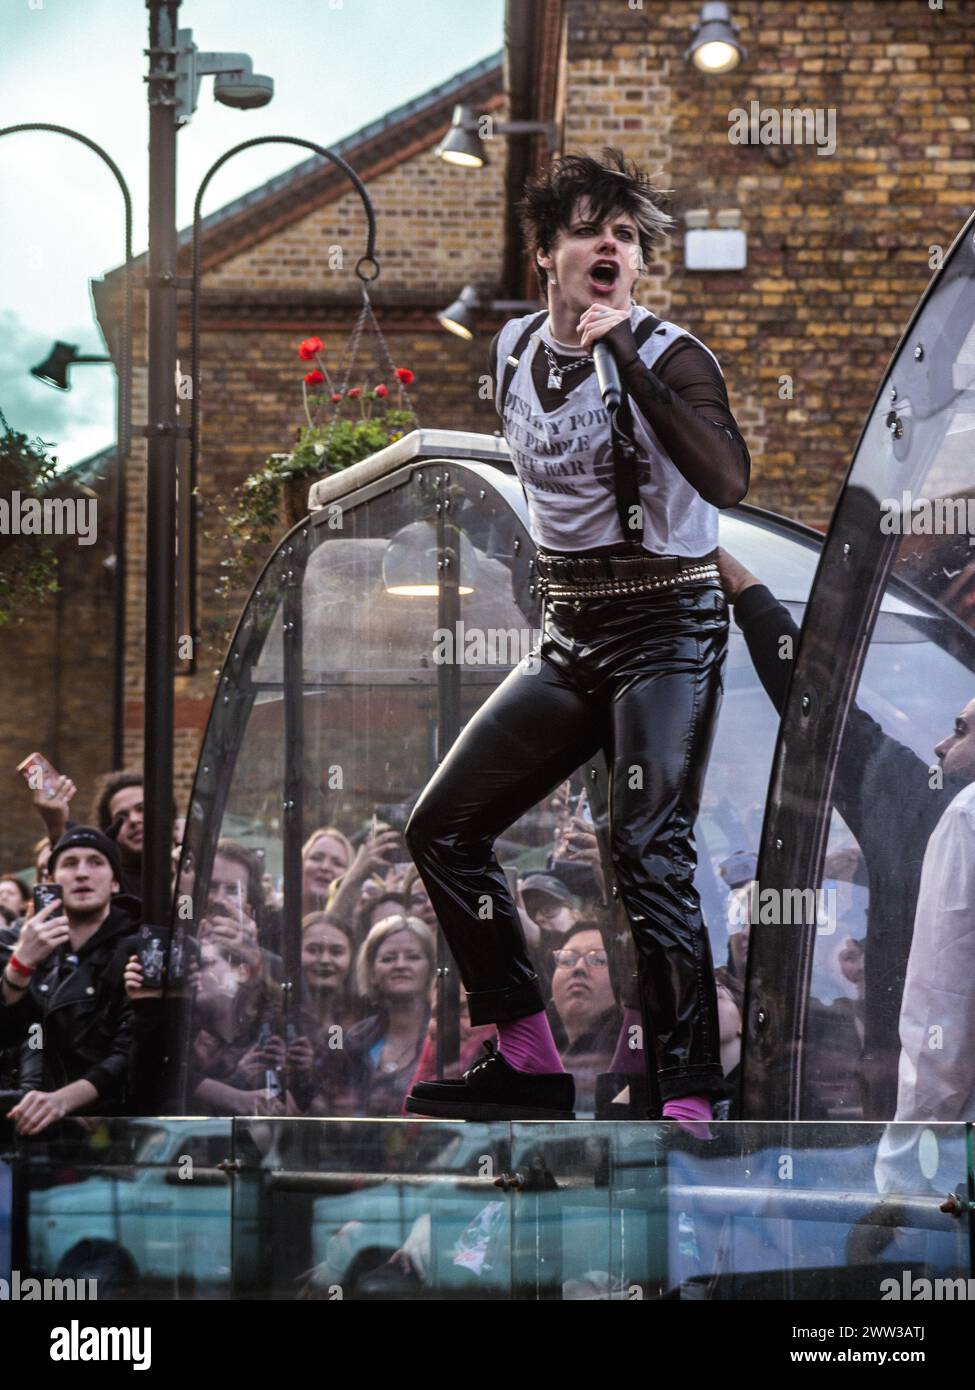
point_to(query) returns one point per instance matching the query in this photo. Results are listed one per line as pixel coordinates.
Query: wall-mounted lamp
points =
(723, 247)
(53, 371)
(464, 141)
(461, 317)
(714, 46)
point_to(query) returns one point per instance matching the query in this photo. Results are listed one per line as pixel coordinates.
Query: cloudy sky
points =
(336, 64)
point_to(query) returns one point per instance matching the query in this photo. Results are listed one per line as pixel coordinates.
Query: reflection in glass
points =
(896, 1038)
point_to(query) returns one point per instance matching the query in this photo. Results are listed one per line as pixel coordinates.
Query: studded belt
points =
(608, 576)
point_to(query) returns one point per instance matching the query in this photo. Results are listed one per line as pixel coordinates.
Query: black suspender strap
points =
(626, 484)
(511, 366)
(621, 430)
(513, 358)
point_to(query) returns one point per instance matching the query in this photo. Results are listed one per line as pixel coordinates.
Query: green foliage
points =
(28, 565)
(253, 519)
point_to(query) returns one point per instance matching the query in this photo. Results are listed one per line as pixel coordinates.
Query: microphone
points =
(608, 376)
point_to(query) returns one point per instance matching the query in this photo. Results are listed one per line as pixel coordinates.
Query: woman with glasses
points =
(584, 1015)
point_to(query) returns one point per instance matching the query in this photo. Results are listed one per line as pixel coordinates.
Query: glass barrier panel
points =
(369, 709)
(226, 1012)
(371, 1209)
(361, 1209)
(891, 1013)
(792, 1211)
(137, 1208)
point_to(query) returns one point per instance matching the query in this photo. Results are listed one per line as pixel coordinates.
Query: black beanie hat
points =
(87, 837)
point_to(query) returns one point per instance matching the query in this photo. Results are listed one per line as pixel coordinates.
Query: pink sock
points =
(688, 1108)
(527, 1044)
(626, 1058)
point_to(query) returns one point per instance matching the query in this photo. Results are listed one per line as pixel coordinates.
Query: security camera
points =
(233, 82)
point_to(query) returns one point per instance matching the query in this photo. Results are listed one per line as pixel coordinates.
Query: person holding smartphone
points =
(623, 509)
(65, 972)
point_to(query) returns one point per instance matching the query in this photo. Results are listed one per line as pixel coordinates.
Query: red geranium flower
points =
(404, 375)
(381, 391)
(354, 393)
(308, 349)
(315, 378)
(336, 396)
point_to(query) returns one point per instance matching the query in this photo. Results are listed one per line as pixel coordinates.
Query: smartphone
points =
(582, 808)
(37, 772)
(152, 958)
(47, 893)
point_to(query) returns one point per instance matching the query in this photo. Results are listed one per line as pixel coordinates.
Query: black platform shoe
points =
(493, 1090)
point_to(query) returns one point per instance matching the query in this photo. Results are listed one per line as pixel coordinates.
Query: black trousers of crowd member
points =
(640, 677)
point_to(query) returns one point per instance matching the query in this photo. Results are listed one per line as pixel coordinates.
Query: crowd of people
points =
(360, 1027)
(363, 1021)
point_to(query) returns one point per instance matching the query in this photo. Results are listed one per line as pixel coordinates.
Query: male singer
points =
(634, 637)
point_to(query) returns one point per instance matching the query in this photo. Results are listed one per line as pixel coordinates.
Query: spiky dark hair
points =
(612, 185)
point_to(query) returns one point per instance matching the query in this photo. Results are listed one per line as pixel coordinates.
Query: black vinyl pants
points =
(639, 677)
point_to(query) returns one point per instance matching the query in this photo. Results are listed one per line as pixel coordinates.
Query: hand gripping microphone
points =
(608, 377)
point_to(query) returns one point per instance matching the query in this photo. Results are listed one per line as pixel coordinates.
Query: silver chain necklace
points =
(556, 372)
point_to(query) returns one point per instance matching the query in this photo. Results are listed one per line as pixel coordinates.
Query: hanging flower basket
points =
(363, 421)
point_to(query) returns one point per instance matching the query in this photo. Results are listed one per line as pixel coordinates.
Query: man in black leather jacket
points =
(61, 987)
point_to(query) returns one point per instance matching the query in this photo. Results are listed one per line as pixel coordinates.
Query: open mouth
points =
(604, 275)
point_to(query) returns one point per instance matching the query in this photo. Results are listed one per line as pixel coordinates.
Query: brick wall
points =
(438, 229)
(57, 683)
(436, 225)
(838, 255)
(838, 246)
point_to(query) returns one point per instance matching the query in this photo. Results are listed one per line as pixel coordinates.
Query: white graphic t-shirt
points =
(564, 459)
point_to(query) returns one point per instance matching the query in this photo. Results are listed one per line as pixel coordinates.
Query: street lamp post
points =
(161, 428)
(123, 429)
(175, 70)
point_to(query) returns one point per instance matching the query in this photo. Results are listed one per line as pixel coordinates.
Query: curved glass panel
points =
(876, 769)
(378, 629)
